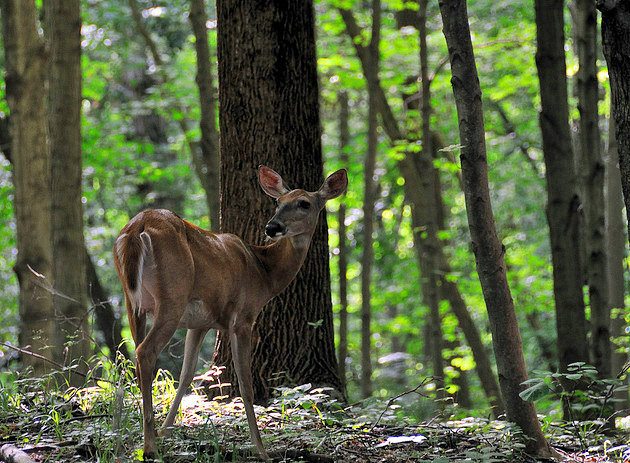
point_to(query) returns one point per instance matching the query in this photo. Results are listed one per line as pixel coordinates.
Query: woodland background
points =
(108, 108)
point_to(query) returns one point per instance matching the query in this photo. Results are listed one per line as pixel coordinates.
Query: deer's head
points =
(297, 210)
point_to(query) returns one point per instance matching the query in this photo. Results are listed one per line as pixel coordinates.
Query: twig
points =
(402, 394)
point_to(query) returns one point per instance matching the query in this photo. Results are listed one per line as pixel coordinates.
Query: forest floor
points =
(102, 424)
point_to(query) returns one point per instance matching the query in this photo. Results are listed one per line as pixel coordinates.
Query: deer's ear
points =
(271, 182)
(335, 185)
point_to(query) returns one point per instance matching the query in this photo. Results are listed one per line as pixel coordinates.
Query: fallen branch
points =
(11, 454)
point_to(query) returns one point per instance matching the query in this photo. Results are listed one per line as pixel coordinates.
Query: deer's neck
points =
(282, 260)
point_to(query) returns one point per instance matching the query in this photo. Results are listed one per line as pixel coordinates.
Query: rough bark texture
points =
(616, 45)
(615, 244)
(344, 137)
(592, 184)
(563, 201)
(485, 242)
(63, 30)
(369, 199)
(270, 115)
(208, 123)
(451, 292)
(26, 94)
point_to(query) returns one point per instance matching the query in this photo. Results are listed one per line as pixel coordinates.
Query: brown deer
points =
(188, 277)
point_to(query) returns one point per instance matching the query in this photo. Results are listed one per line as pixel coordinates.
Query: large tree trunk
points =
(25, 61)
(592, 184)
(270, 114)
(207, 101)
(615, 243)
(486, 245)
(369, 199)
(63, 29)
(563, 201)
(344, 137)
(616, 45)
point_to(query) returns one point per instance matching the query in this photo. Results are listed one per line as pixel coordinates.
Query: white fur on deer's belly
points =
(195, 316)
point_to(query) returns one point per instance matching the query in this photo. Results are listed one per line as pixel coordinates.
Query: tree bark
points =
(486, 245)
(616, 45)
(207, 102)
(592, 185)
(563, 200)
(25, 64)
(269, 113)
(63, 30)
(615, 243)
(344, 137)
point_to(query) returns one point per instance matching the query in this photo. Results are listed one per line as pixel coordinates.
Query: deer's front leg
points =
(242, 357)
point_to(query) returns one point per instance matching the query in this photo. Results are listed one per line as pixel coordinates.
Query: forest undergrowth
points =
(101, 422)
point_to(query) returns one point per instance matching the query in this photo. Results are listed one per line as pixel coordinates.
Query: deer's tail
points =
(130, 252)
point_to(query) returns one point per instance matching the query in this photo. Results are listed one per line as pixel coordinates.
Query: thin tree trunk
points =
(344, 137)
(563, 201)
(267, 63)
(25, 64)
(615, 243)
(207, 102)
(486, 245)
(429, 216)
(391, 128)
(592, 181)
(63, 29)
(106, 321)
(616, 45)
(369, 199)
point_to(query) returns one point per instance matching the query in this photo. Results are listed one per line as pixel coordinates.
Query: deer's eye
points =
(302, 204)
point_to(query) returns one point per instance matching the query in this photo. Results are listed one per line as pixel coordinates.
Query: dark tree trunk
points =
(344, 137)
(615, 243)
(486, 245)
(616, 45)
(106, 321)
(25, 64)
(592, 184)
(270, 114)
(369, 199)
(563, 201)
(426, 222)
(209, 174)
(63, 29)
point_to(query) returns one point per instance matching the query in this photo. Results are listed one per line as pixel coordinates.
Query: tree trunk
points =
(616, 45)
(486, 245)
(106, 321)
(427, 228)
(615, 243)
(462, 395)
(563, 201)
(63, 29)
(592, 182)
(207, 102)
(25, 61)
(267, 63)
(369, 199)
(344, 137)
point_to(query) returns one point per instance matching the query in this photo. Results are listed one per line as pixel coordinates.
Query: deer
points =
(183, 276)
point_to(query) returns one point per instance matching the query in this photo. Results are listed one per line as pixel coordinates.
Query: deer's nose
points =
(274, 229)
